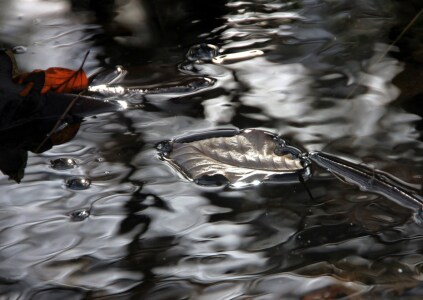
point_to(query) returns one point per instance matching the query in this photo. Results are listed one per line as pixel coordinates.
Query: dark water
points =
(118, 223)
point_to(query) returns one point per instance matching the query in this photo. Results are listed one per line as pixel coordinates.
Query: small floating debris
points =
(80, 215)
(235, 158)
(78, 183)
(235, 57)
(63, 163)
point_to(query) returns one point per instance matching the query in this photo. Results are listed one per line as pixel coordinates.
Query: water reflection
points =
(149, 234)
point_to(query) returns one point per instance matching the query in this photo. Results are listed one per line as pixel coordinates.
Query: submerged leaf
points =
(240, 158)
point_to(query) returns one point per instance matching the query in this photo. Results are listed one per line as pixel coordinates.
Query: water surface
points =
(128, 227)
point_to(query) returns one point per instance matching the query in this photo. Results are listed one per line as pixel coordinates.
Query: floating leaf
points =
(238, 158)
(59, 80)
(13, 162)
(65, 134)
(62, 80)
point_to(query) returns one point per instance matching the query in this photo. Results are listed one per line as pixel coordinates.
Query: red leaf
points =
(26, 89)
(62, 80)
(59, 80)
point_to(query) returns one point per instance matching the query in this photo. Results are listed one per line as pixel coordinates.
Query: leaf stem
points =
(68, 108)
(83, 61)
(389, 48)
(59, 121)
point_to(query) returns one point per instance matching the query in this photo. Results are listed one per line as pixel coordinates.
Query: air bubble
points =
(79, 215)
(63, 163)
(164, 147)
(202, 52)
(149, 200)
(78, 183)
(19, 49)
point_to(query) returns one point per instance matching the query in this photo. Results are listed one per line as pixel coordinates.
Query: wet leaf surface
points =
(59, 80)
(32, 103)
(238, 158)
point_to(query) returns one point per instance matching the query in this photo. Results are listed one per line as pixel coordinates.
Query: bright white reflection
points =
(231, 57)
(219, 110)
(243, 184)
(281, 91)
(105, 89)
(123, 104)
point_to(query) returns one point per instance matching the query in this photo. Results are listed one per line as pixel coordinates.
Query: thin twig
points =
(83, 61)
(68, 108)
(76, 72)
(62, 117)
(384, 53)
(400, 35)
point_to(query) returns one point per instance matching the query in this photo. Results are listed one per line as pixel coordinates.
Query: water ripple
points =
(313, 71)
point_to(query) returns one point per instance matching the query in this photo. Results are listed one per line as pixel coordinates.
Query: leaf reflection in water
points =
(372, 181)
